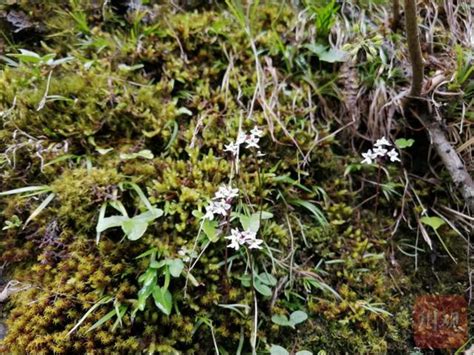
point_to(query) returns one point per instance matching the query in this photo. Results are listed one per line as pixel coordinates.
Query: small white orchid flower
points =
(381, 142)
(369, 157)
(232, 148)
(216, 207)
(251, 240)
(255, 244)
(235, 238)
(226, 193)
(380, 151)
(209, 212)
(238, 239)
(256, 132)
(252, 142)
(220, 207)
(393, 155)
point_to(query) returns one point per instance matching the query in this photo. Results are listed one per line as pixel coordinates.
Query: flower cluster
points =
(251, 140)
(379, 151)
(221, 202)
(241, 238)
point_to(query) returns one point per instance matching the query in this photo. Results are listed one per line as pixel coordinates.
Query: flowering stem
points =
(253, 339)
(378, 187)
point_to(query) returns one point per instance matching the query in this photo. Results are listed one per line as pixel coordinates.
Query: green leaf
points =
(333, 55)
(245, 280)
(184, 111)
(289, 180)
(315, 211)
(316, 48)
(252, 222)
(143, 295)
(27, 56)
(103, 151)
(281, 319)
(327, 55)
(403, 143)
(134, 228)
(110, 222)
(141, 195)
(157, 264)
(174, 134)
(126, 68)
(52, 62)
(9, 61)
(278, 350)
(145, 154)
(267, 279)
(38, 189)
(163, 300)
(102, 320)
(298, 317)
(433, 222)
(120, 311)
(262, 288)
(40, 208)
(304, 352)
(102, 301)
(146, 253)
(150, 215)
(176, 267)
(210, 229)
(60, 159)
(119, 207)
(148, 277)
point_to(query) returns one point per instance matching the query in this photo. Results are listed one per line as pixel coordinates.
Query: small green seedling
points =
(133, 227)
(262, 283)
(435, 223)
(295, 318)
(403, 143)
(280, 350)
(162, 297)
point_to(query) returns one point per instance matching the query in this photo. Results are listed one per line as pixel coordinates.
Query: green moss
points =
(178, 83)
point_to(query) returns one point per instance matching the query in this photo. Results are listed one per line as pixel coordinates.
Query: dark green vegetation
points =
(135, 104)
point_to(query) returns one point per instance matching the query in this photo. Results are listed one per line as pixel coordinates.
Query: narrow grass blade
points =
(21, 190)
(40, 208)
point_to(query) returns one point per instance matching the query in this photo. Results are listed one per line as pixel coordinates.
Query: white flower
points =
(380, 151)
(235, 238)
(226, 193)
(256, 132)
(381, 142)
(369, 156)
(216, 207)
(238, 239)
(255, 244)
(393, 154)
(233, 148)
(209, 212)
(251, 240)
(252, 142)
(220, 207)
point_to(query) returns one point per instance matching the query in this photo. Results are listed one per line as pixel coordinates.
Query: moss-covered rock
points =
(139, 116)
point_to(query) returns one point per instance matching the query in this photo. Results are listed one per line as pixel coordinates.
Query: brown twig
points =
(443, 147)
